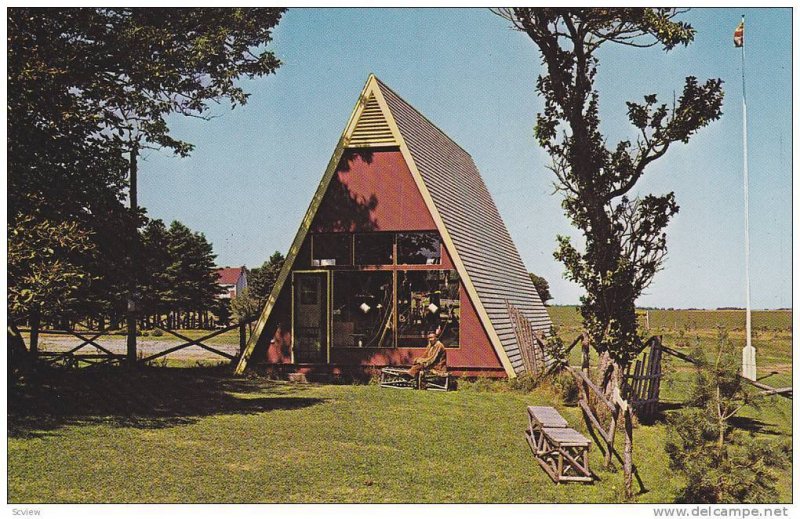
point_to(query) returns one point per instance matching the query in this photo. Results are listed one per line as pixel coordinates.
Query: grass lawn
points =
(198, 435)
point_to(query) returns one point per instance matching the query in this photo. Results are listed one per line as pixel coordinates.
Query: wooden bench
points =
(399, 378)
(562, 451)
(434, 381)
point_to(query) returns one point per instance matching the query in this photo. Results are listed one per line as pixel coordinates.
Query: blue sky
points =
(254, 170)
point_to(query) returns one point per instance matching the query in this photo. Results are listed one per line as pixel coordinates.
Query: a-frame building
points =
(401, 238)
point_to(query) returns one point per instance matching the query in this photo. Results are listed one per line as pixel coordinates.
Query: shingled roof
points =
(470, 216)
(466, 216)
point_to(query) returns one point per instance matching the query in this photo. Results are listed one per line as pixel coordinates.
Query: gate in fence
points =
(643, 381)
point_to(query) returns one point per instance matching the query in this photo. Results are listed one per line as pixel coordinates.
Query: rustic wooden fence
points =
(642, 383)
(242, 326)
(531, 344)
(592, 396)
(74, 357)
(78, 356)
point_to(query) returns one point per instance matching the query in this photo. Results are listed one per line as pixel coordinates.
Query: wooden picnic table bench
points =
(562, 451)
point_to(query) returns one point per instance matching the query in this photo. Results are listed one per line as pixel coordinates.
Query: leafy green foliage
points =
(721, 464)
(87, 86)
(245, 306)
(42, 273)
(190, 272)
(542, 287)
(625, 242)
(260, 280)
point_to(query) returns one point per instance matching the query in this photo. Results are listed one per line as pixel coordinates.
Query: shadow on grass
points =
(667, 409)
(754, 425)
(149, 398)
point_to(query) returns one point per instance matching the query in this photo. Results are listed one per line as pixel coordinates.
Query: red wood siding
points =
(372, 191)
(474, 356)
(375, 192)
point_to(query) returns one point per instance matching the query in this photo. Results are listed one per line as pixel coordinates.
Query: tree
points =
(119, 72)
(191, 271)
(88, 87)
(542, 287)
(261, 279)
(156, 285)
(625, 239)
(42, 272)
(721, 464)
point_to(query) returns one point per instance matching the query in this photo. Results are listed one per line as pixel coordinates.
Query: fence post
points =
(242, 336)
(131, 342)
(585, 368)
(585, 352)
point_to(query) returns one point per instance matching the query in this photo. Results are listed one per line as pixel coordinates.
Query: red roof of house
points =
(229, 275)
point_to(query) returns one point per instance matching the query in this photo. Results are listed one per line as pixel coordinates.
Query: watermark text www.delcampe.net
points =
(721, 511)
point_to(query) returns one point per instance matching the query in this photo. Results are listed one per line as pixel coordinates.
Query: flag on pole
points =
(738, 35)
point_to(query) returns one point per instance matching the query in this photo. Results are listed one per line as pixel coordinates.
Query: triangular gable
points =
(372, 128)
(367, 127)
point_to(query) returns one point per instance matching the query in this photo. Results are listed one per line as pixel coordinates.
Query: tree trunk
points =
(17, 353)
(605, 374)
(627, 455)
(34, 343)
(134, 208)
(242, 336)
(627, 458)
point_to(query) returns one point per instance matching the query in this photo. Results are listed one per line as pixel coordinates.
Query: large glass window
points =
(332, 249)
(363, 310)
(374, 248)
(428, 301)
(419, 248)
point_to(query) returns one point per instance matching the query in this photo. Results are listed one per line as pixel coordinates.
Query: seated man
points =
(434, 359)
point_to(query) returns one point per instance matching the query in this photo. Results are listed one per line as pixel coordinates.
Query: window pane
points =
(362, 310)
(374, 249)
(332, 249)
(419, 248)
(428, 301)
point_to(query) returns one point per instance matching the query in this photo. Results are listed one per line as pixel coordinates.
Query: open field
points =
(772, 334)
(198, 435)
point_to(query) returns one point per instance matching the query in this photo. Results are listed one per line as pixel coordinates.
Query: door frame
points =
(327, 308)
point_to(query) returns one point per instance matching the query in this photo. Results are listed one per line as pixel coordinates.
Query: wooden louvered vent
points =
(372, 128)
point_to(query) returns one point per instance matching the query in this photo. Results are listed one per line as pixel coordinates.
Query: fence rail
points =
(77, 356)
(197, 342)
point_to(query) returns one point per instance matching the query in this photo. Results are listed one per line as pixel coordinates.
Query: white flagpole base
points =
(749, 362)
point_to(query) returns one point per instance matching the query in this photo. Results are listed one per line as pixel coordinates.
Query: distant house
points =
(233, 280)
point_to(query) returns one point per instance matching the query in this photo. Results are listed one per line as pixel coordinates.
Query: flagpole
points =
(749, 352)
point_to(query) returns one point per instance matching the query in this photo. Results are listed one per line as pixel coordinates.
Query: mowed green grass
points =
(198, 435)
(278, 442)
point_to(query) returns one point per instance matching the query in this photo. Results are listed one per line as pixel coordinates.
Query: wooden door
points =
(310, 323)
